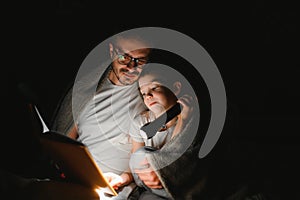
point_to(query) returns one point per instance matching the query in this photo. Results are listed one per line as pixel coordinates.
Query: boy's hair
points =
(167, 76)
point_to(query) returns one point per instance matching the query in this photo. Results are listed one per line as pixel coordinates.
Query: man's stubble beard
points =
(126, 80)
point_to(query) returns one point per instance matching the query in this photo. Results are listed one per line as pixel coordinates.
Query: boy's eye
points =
(155, 87)
(143, 94)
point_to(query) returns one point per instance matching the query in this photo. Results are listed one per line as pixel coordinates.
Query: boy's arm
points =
(186, 102)
(136, 145)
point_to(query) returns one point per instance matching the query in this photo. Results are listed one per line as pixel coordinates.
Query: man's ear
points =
(177, 88)
(111, 50)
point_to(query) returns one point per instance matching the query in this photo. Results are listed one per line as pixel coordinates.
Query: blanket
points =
(182, 173)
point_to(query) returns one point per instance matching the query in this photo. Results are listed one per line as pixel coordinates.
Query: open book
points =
(72, 157)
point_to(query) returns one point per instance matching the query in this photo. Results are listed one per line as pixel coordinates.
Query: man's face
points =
(128, 60)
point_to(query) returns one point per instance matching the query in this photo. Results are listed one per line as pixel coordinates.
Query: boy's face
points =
(127, 50)
(157, 97)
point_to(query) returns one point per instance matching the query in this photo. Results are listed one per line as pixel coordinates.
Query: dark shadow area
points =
(253, 46)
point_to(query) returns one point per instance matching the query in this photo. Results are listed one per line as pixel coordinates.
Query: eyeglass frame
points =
(135, 60)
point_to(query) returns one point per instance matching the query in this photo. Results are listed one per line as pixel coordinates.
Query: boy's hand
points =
(187, 103)
(148, 175)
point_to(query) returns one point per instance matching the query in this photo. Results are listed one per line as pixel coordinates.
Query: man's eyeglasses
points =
(125, 59)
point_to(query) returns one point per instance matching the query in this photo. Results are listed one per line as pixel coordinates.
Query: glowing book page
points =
(45, 128)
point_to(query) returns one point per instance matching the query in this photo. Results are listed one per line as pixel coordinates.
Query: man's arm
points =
(73, 133)
(117, 181)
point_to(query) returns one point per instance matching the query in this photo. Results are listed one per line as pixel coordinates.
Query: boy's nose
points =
(149, 94)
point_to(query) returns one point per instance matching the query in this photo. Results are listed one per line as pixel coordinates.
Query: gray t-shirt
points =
(105, 123)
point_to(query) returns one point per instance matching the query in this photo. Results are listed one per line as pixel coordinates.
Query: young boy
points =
(160, 87)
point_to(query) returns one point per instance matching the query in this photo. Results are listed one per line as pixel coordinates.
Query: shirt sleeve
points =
(135, 128)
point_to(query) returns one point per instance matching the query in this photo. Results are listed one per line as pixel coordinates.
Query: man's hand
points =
(148, 176)
(117, 181)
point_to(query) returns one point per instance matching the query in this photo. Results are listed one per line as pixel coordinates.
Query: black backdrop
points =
(253, 44)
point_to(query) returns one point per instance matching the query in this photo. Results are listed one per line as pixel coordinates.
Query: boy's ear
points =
(177, 88)
(111, 50)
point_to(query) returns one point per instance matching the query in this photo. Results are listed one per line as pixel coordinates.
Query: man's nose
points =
(132, 64)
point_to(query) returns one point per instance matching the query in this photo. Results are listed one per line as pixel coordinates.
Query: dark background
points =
(255, 46)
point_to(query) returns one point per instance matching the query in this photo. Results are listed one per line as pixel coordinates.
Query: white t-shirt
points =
(105, 123)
